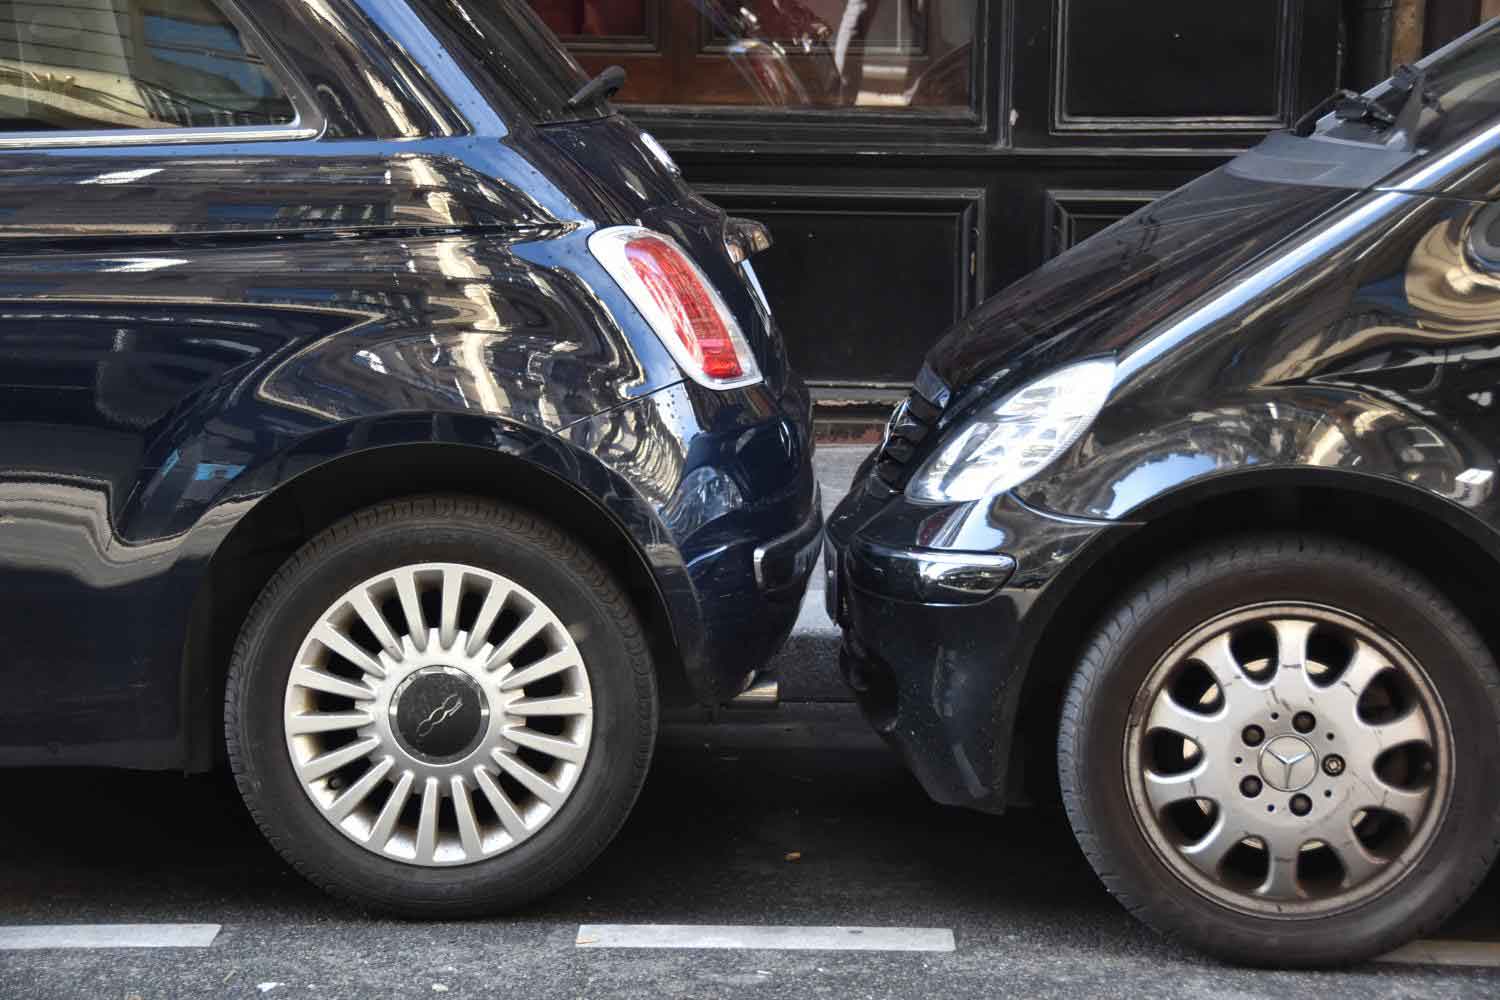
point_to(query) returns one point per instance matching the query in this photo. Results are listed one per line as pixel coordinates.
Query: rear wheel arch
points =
(1430, 534)
(301, 507)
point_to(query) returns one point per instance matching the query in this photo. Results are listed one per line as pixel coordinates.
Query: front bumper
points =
(937, 639)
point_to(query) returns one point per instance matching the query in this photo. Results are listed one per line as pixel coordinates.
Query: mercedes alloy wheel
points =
(1288, 759)
(1284, 750)
(441, 706)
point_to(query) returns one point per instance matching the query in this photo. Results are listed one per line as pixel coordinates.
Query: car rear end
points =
(739, 498)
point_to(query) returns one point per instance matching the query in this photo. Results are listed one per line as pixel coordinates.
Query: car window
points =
(1459, 92)
(71, 65)
(1463, 88)
(523, 55)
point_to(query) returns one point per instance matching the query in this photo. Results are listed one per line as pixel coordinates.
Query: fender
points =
(463, 452)
(1146, 459)
(226, 390)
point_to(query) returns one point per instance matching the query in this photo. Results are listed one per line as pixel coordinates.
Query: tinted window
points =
(523, 54)
(103, 64)
(1462, 88)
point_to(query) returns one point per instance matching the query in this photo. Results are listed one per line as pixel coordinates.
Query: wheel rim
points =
(1288, 760)
(438, 714)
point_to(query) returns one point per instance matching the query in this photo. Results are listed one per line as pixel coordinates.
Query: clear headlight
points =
(1013, 439)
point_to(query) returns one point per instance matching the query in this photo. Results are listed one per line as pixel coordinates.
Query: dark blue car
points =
(383, 415)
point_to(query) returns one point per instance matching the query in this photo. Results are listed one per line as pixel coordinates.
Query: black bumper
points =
(937, 640)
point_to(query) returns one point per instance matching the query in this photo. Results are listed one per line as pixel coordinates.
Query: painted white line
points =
(1480, 953)
(770, 938)
(28, 938)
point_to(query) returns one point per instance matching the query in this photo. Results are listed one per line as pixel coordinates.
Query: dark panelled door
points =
(914, 156)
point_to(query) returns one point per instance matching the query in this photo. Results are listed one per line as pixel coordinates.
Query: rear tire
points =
(528, 662)
(1338, 806)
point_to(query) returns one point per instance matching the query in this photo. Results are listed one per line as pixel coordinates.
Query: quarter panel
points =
(150, 400)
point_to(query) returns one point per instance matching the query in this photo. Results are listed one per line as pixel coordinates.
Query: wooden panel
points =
(863, 280)
(1175, 66)
(1073, 215)
(624, 27)
(1447, 19)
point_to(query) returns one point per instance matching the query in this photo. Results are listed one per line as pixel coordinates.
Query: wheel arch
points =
(1438, 538)
(300, 507)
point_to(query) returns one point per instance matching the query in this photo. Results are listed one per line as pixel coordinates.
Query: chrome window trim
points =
(307, 121)
(157, 137)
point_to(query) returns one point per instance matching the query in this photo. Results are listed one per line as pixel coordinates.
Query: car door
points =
(108, 109)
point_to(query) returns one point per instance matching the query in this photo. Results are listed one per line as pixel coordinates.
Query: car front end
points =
(941, 599)
(1063, 413)
(1204, 503)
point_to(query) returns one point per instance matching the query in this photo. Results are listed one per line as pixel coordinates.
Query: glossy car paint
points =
(396, 292)
(1302, 344)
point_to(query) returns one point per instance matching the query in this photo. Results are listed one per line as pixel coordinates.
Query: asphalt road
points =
(792, 818)
(723, 811)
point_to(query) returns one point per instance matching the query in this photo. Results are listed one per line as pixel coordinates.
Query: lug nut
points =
(1301, 805)
(1250, 787)
(1253, 735)
(1333, 765)
(1304, 722)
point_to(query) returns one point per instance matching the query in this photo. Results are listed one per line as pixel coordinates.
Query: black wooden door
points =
(914, 156)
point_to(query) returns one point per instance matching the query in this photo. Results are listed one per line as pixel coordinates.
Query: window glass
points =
(574, 18)
(102, 64)
(783, 53)
(1462, 88)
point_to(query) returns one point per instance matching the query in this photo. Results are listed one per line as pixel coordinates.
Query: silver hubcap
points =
(1288, 759)
(438, 714)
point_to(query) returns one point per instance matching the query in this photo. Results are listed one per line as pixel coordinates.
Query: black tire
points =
(505, 540)
(1282, 568)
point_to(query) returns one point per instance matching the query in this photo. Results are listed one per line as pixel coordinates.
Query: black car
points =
(1203, 513)
(380, 413)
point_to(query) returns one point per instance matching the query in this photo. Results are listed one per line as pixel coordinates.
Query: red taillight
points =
(679, 293)
(677, 300)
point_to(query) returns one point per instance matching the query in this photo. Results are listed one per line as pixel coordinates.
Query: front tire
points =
(441, 707)
(1285, 751)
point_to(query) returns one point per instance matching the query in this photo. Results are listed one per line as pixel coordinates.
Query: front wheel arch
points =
(1437, 538)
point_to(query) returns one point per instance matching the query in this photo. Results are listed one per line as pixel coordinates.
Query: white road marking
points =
(1480, 953)
(28, 938)
(771, 938)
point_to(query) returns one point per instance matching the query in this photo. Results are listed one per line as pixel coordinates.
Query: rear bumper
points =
(937, 640)
(737, 523)
(784, 565)
(749, 592)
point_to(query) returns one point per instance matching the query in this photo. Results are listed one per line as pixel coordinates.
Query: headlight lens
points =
(1012, 440)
